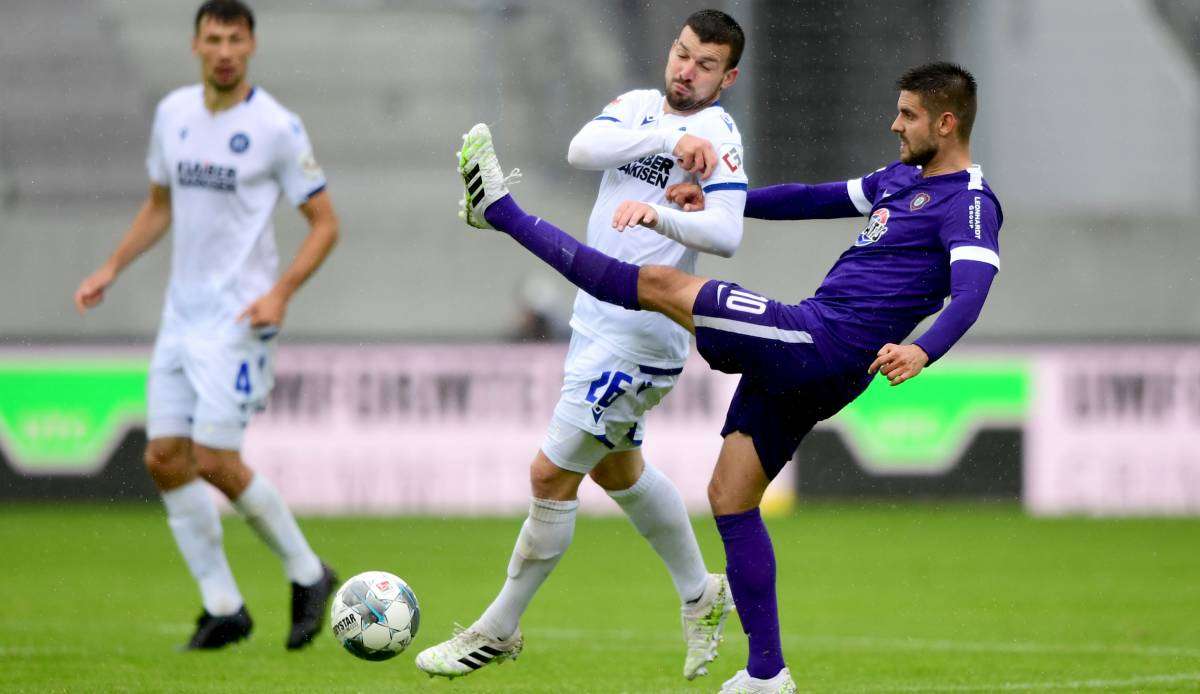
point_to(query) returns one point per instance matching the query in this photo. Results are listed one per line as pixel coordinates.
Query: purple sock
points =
(750, 567)
(602, 276)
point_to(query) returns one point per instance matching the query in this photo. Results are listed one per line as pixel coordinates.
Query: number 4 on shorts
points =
(242, 384)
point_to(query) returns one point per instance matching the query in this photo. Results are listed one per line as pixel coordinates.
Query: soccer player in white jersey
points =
(621, 363)
(221, 154)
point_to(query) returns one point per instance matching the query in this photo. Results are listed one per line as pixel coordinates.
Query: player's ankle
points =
(503, 213)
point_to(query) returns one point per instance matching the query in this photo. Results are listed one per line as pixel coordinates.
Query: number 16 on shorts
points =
(616, 381)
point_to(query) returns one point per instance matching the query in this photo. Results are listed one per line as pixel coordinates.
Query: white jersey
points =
(226, 171)
(646, 337)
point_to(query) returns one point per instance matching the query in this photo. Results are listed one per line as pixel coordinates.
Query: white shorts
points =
(603, 405)
(205, 387)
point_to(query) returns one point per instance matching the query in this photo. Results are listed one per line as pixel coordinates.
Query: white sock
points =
(657, 511)
(264, 510)
(544, 538)
(192, 515)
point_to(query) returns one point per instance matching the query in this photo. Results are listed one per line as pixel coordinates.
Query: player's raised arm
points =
(717, 229)
(801, 201)
(610, 140)
(787, 201)
(149, 225)
(795, 201)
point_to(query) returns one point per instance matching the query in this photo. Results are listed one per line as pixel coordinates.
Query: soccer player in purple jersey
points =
(932, 232)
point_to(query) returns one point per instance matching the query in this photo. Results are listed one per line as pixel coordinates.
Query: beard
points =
(691, 102)
(919, 155)
(225, 87)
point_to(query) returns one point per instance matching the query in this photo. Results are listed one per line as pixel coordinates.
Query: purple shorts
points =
(792, 377)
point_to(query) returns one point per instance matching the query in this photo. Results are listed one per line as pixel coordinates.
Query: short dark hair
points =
(944, 87)
(714, 26)
(225, 12)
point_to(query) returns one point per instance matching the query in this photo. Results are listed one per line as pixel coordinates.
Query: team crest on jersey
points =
(876, 228)
(731, 154)
(919, 200)
(239, 143)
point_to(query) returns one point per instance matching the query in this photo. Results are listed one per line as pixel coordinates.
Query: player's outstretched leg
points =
(489, 206)
(663, 289)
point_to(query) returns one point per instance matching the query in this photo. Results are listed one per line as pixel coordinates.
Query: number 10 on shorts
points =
(744, 301)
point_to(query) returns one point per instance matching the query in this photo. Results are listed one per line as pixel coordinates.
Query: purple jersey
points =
(897, 273)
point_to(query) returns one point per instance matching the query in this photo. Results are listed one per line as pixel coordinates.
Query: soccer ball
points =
(375, 615)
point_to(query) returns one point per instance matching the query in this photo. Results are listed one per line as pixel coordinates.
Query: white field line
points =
(955, 646)
(1041, 686)
(893, 644)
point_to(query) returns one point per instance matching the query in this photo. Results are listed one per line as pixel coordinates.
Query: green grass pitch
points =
(874, 598)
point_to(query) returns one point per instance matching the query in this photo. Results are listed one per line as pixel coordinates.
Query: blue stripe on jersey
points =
(732, 185)
(313, 192)
(615, 120)
(657, 371)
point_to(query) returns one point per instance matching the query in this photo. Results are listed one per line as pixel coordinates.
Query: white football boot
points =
(484, 181)
(743, 683)
(703, 623)
(467, 651)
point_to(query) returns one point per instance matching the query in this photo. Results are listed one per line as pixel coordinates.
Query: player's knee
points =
(207, 463)
(716, 491)
(168, 461)
(216, 465)
(549, 481)
(725, 499)
(615, 473)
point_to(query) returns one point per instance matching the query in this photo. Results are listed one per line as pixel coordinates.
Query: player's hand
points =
(696, 155)
(91, 289)
(267, 310)
(632, 213)
(899, 362)
(689, 197)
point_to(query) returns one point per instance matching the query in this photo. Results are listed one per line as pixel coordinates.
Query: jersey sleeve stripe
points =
(979, 253)
(615, 120)
(312, 192)
(855, 189)
(731, 185)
